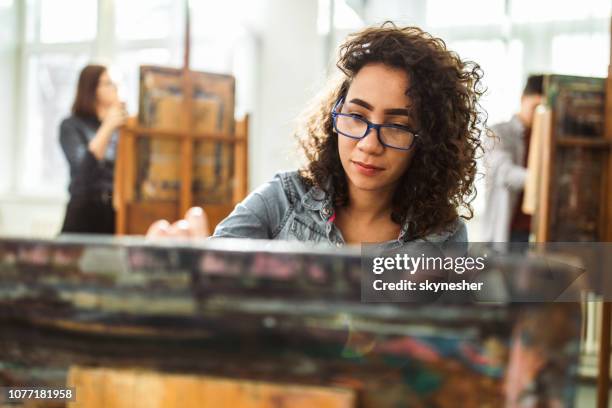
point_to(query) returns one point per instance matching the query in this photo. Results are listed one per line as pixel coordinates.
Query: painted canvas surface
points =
(161, 107)
(286, 314)
(577, 105)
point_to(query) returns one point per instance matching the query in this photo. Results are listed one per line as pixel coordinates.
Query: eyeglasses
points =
(354, 126)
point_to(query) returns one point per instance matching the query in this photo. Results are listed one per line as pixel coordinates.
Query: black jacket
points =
(88, 176)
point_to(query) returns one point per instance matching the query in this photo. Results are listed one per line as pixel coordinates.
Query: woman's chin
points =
(366, 183)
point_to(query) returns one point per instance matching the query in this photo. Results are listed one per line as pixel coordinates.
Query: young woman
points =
(391, 151)
(88, 138)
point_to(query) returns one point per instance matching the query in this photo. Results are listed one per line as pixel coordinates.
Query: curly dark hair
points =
(444, 92)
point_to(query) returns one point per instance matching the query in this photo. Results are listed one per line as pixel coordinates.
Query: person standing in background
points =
(88, 138)
(505, 170)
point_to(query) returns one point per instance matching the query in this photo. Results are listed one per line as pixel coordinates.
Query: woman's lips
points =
(366, 169)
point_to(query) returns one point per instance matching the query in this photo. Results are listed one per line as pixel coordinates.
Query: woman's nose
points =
(370, 143)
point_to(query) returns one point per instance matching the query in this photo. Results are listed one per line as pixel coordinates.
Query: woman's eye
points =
(402, 126)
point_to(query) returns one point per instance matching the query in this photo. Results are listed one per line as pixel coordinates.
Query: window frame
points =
(104, 47)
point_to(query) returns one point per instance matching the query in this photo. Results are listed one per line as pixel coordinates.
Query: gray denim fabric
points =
(287, 209)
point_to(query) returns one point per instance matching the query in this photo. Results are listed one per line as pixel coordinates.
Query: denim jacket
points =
(285, 208)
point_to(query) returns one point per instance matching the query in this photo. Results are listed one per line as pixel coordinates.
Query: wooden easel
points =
(603, 378)
(538, 190)
(134, 217)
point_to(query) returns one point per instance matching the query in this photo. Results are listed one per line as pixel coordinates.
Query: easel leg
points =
(603, 379)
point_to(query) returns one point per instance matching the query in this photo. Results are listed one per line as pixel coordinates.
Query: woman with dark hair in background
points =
(88, 138)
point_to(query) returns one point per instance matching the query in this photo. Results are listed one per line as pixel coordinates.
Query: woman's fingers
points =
(158, 229)
(195, 225)
(197, 222)
(180, 229)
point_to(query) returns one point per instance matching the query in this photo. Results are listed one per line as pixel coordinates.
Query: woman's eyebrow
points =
(390, 112)
(398, 112)
(362, 103)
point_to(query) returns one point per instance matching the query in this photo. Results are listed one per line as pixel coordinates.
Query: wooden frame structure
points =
(603, 380)
(548, 151)
(549, 145)
(133, 217)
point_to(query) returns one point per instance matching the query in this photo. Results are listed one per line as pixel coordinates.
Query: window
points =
(144, 19)
(8, 69)
(525, 11)
(52, 55)
(502, 67)
(7, 23)
(573, 54)
(501, 64)
(224, 45)
(510, 39)
(345, 16)
(449, 13)
(548, 36)
(120, 34)
(54, 27)
(49, 93)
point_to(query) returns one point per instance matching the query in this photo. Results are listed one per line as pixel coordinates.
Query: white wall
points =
(289, 74)
(31, 216)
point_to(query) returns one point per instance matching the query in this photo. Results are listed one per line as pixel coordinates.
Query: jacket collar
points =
(444, 235)
(316, 199)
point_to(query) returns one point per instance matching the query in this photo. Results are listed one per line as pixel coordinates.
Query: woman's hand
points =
(115, 116)
(194, 225)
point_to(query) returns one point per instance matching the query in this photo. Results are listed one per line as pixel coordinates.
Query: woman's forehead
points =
(380, 86)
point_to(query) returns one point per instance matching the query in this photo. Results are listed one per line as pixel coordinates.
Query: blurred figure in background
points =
(505, 171)
(88, 138)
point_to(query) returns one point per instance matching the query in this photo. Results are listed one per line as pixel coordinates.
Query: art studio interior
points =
(305, 203)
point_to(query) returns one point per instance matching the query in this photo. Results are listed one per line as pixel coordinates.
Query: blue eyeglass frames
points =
(356, 127)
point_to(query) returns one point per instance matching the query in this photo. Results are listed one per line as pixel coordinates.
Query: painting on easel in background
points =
(569, 192)
(161, 108)
(577, 105)
(568, 162)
